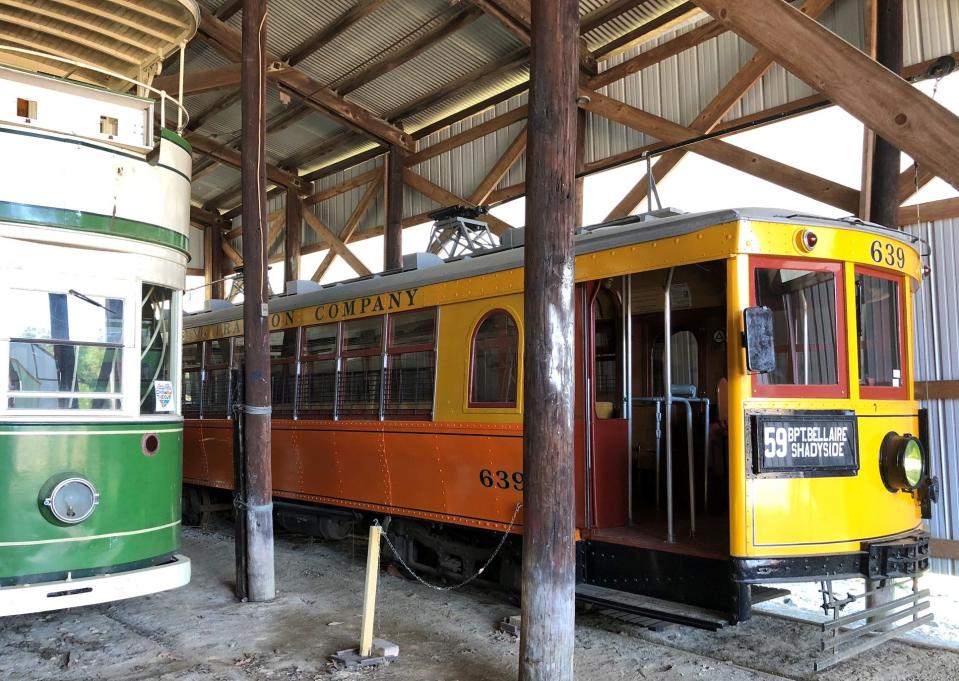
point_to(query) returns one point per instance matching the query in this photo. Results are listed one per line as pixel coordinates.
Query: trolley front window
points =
(808, 336)
(879, 323)
(66, 350)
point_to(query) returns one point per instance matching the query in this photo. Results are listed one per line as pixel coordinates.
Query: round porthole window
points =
(72, 500)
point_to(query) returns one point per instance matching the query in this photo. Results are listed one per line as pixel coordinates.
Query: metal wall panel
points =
(937, 359)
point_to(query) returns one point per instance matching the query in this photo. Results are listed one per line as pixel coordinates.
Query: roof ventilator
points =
(457, 232)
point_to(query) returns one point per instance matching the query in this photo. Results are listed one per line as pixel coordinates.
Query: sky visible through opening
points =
(827, 143)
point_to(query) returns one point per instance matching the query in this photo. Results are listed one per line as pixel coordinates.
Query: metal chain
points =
(469, 579)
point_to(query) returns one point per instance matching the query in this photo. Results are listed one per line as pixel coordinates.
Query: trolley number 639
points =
(501, 479)
(885, 253)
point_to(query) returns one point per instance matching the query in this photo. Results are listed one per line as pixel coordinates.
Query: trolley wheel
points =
(192, 513)
(335, 529)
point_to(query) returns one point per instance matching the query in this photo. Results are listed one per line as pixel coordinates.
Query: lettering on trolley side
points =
(328, 312)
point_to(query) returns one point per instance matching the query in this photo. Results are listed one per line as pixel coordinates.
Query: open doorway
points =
(679, 505)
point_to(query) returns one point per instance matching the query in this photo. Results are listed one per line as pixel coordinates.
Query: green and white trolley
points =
(94, 222)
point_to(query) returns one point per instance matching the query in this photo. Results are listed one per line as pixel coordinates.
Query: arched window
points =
(495, 357)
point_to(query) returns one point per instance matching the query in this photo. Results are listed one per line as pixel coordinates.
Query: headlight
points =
(902, 462)
(72, 499)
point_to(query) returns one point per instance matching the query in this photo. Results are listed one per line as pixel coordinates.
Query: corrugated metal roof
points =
(677, 88)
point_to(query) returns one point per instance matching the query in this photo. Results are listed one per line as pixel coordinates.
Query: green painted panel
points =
(92, 222)
(137, 493)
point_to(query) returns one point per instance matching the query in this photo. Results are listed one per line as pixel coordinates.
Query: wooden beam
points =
(471, 110)
(206, 218)
(944, 548)
(504, 64)
(944, 209)
(345, 186)
(334, 242)
(651, 30)
(231, 253)
(346, 234)
(446, 198)
(514, 16)
(474, 133)
(305, 88)
(292, 237)
(911, 180)
(600, 16)
(315, 42)
(323, 149)
(228, 9)
(515, 149)
(393, 243)
(442, 30)
(225, 154)
(195, 82)
(937, 390)
(883, 101)
(799, 181)
(548, 575)
(213, 262)
(711, 115)
(657, 54)
(884, 176)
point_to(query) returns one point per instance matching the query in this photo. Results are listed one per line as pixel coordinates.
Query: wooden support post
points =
(293, 239)
(548, 573)
(258, 505)
(213, 261)
(884, 190)
(393, 243)
(369, 592)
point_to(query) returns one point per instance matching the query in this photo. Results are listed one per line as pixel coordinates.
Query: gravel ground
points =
(200, 632)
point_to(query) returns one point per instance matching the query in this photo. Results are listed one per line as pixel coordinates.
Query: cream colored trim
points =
(131, 533)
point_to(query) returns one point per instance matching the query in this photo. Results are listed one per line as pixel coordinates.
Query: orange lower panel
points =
(468, 474)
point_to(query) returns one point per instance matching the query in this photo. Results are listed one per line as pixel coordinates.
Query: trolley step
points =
(653, 608)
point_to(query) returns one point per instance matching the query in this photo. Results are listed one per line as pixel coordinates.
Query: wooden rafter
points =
(303, 87)
(657, 54)
(195, 82)
(343, 187)
(340, 248)
(911, 180)
(231, 253)
(710, 116)
(230, 156)
(447, 198)
(944, 209)
(322, 149)
(608, 12)
(346, 234)
(883, 101)
(315, 42)
(516, 149)
(648, 31)
(228, 8)
(467, 136)
(813, 186)
(514, 16)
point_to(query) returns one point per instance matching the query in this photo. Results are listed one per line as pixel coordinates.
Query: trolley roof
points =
(125, 37)
(628, 231)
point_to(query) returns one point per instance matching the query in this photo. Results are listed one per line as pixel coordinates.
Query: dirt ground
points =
(201, 633)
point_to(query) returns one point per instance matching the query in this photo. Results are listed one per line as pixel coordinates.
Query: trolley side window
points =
(494, 361)
(317, 385)
(805, 331)
(66, 350)
(283, 371)
(879, 325)
(361, 370)
(157, 350)
(411, 365)
(192, 379)
(216, 378)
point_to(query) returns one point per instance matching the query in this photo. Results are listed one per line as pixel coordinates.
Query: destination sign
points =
(824, 442)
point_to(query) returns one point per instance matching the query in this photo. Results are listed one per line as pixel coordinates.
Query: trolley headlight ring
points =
(902, 462)
(71, 500)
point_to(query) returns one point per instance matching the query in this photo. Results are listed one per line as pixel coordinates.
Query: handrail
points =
(183, 116)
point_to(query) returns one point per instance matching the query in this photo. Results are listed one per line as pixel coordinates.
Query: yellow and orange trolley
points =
(744, 405)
